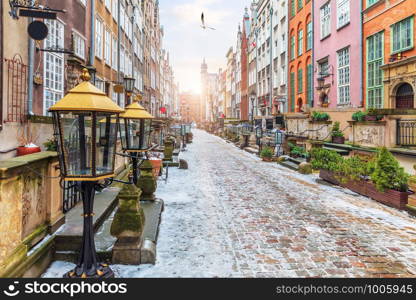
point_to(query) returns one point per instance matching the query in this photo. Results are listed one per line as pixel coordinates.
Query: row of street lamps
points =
(86, 124)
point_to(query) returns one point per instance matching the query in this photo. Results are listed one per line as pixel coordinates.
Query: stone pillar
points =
(168, 152)
(127, 227)
(147, 182)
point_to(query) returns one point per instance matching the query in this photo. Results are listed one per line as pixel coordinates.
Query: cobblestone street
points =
(232, 215)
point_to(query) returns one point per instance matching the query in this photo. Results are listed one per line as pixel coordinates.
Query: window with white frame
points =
(122, 59)
(107, 47)
(326, 20)
(98, 38)
(114, 10)
(53, 70)
(343, 12)
(114, 54)
(108, 4)
(78, 44)
(344, 76)
(99, 84)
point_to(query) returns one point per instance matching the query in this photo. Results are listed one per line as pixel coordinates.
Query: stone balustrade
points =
(30, 210)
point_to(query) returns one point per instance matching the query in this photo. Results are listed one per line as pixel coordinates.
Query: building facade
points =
(300, 69)
(389, 54)
(337, 59)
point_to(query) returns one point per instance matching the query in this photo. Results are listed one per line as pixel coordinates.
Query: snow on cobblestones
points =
(232, 215)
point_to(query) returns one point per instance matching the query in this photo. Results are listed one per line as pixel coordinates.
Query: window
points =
(300, 4)
(53, 70)
(98, 38)
(344, 76)
(325, 20)
(402, 35)
(323, 68)
(343, 12)
(283, 44)
(99, 84)
(114, 10)
(300, 81)
(122, 59)
(292, 47)
(114, 54)
(309, 36)
(78, 45)
(371, 2)
(108, 4)
(107, 47)
(292, 90)
(375, 57)
(309, 85)
(300, 42)
(292, 8)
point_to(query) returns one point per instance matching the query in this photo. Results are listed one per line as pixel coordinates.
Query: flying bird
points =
(203, 23)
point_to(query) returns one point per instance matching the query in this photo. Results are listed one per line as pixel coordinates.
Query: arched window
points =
(405, 96)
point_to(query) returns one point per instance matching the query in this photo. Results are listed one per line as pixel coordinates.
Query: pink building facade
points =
(337, 54)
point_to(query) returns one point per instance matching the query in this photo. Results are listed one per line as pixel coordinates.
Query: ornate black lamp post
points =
(183, 134)
(135, 129)
(129, 87)
(86, 156)
(259, 135)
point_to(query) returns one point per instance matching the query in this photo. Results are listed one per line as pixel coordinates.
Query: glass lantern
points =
(87, 133)
(259, 132)
(135, 128)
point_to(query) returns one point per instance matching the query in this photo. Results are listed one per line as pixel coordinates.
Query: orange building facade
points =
(389, 54)
(300, 55)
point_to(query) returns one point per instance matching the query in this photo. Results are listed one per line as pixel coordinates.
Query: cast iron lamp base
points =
(99, 271)
(88, 265)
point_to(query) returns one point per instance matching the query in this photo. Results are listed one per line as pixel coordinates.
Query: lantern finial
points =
(85, 76)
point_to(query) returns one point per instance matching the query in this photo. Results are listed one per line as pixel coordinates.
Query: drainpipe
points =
(92, 36)
(30, 73)
(361, 56)
(1, 61)
(271, 58)
(313, 53)
(118, 47)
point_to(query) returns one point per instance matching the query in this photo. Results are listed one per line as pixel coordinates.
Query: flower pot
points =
(267, 159)
(329, 177)
(338, 139)
(157, 165)
(21, 151)
(391, 198)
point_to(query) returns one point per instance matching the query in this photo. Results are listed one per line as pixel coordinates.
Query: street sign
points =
(37, 14)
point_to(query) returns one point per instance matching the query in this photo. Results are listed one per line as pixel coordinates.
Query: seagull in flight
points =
(203, 23)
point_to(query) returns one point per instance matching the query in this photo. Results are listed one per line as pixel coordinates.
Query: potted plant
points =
(327, 162)
(266, 154)
(358, 116)
(50, 145)
(390, 181)
(26, 139)
(337, 135)
(320, 116)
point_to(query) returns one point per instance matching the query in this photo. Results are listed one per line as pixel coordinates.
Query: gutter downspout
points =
(1, 61)
(313, 53)
(118, 48)
(271, 59)
(92, 36)
(361, 56)
(31, 56)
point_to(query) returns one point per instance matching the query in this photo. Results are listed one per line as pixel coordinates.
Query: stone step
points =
(338, 150)
(290, 165)
(69, 237)
(251, 150)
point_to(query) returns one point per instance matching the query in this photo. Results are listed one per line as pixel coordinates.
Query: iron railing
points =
(16, 89)
(406, 133)
(71, 196)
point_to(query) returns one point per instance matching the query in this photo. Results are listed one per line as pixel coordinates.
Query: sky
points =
(188, 44)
